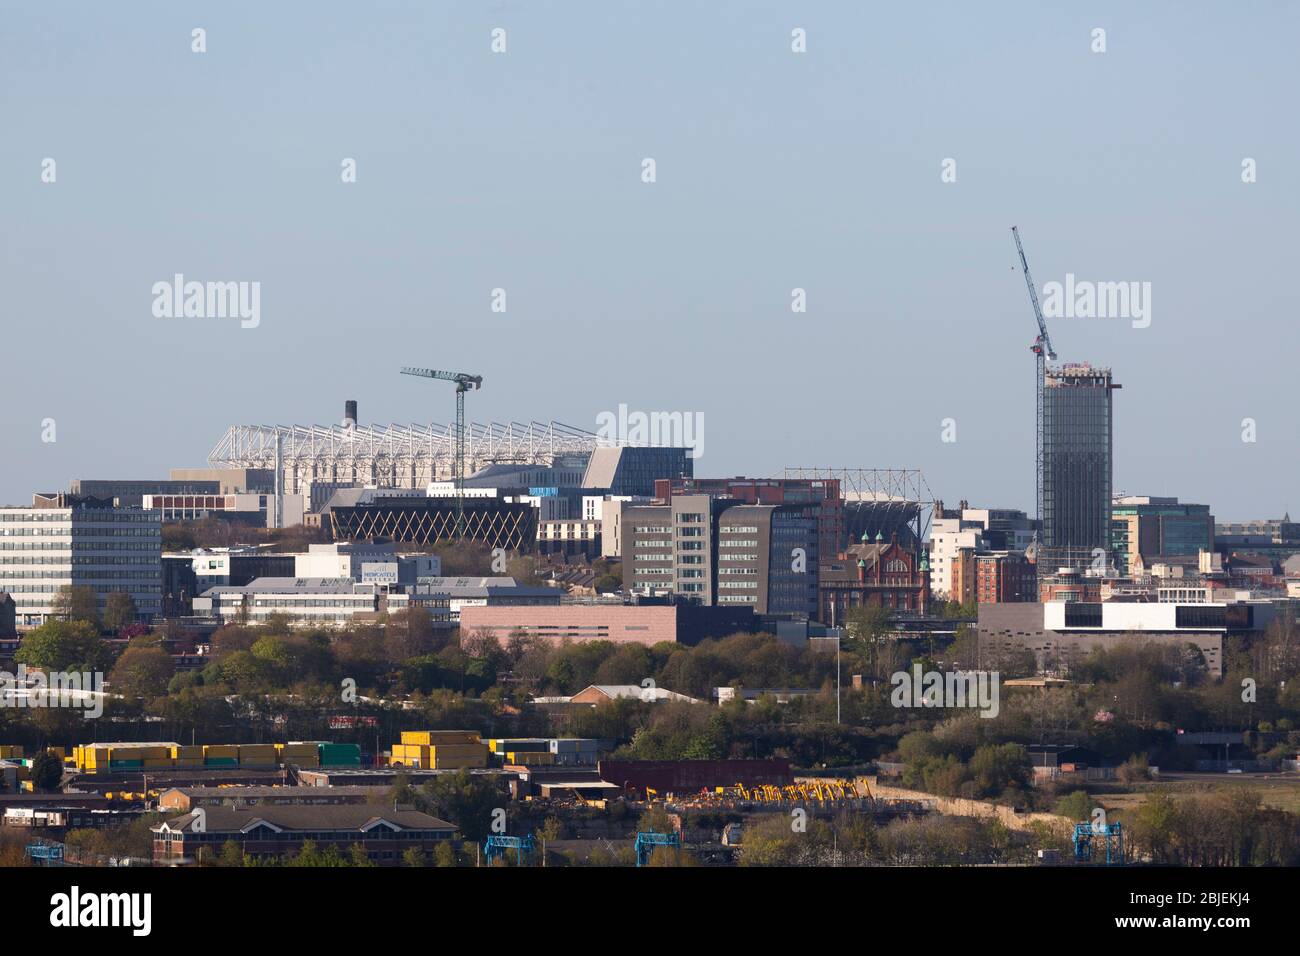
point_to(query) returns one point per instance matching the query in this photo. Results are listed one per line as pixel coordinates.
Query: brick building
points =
(266, 832)
(620, 623)
(875, 573)
(992, 577)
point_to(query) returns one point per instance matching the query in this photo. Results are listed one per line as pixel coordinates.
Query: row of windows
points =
(79, 576)
(53, 589)
(53, 560)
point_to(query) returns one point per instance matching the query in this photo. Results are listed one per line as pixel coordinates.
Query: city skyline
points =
(522, 172)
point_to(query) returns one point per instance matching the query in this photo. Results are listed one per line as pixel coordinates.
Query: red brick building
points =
(267, 832)
(992, 577)
(874, 573)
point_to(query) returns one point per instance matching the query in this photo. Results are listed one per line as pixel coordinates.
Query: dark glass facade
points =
(1077, 461)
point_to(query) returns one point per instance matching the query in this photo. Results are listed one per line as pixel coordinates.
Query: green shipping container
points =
(340, 755)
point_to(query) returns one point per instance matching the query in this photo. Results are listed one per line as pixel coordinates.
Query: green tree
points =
(357, 855)
(142, 672)
(47, 772)
(415, 857)
(64, 646)
(1077, 806)
(466, 800)
(444, 855)
(119, 611)
(232, 854)
(76, 603)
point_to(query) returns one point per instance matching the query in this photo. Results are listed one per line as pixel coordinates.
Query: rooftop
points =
(290, 818)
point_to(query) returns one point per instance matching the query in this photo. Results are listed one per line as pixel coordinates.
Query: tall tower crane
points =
(1043, 351)
(464, 382)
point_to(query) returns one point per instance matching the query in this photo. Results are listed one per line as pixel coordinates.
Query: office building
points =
(303, 602)
(130, 493)
(1061, 633)
(1078, 441)
(447, 597)
(822, 495)
(633, 470)
(425, 520)
(1145, 530)
(365, 562)
(67, 542)
(715, 552)
(981, 576)
(265, 832)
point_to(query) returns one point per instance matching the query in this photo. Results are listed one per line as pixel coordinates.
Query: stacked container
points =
(575, 751)
(339, 755)
(298, 754)
(441, 750)
(187, 758)
(221, 755)
(525, 758)
(257, 756)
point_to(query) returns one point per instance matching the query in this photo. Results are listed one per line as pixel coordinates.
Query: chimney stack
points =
(350, 413)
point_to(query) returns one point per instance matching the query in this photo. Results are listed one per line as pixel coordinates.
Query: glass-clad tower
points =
(1078, 440)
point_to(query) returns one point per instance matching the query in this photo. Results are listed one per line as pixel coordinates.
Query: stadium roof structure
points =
(407, 455)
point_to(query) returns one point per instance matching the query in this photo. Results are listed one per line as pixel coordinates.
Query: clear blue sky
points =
(775, 170)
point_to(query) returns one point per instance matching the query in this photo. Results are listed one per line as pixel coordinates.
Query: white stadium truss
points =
(398, 456)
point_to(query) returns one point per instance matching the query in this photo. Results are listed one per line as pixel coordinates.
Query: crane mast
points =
(1042, 349)
(464, 382)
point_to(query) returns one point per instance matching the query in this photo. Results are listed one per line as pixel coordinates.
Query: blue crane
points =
(648, 840)
(497, 845)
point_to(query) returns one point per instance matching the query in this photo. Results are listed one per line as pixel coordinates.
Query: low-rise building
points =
(646, 624)
(456, 594)
(1060, 633)
(185, 799)
(305, 602)
(268, 832)
(598, 693)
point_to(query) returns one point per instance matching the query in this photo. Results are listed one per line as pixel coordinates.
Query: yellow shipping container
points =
(460, 763)
(296, 753)
(531, 759)
(221, 750)
(459, 750)
(430, 738)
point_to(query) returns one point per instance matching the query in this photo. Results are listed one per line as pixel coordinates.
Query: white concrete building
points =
(104, 548)
(371, 563)
(306, 602)
(947, 537)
